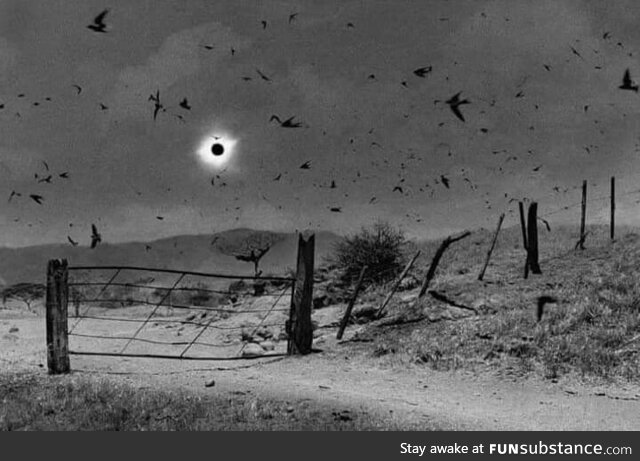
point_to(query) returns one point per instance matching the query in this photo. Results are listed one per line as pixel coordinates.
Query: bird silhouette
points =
(292, 17)
(628, 83)
(157, 105)
(264, 24)
(185, 104)
(574, 51)
(305, 166)
(64, 175)
(423, 71)
(14, 194)
(46, 179)
(336, 209)
(288, 123)
(98, 24)
(445, 181)
(37, 198)
(277, 178)
(103, 107)
(263, 76)
(454, 103)
(72, 242)
(95, 236)
(78, 88)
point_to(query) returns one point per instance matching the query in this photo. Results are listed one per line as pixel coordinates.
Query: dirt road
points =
(409, 396)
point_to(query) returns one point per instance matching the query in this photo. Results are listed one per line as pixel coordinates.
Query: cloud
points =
(180, 56)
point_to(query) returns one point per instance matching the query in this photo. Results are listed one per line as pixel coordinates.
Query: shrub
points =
(379, 247)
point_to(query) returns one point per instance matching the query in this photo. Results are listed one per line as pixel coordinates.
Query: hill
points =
(203, 253)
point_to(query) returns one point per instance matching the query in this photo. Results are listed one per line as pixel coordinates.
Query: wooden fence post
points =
(583, 218)
(300, 330)
(396, 284)
(352, 301)
(532, 239)
(56, 317)
(613, 206)
(436, 259)
(493, 244)
(523, 226)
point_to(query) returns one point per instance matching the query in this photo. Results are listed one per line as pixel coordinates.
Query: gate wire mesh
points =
(162, 313)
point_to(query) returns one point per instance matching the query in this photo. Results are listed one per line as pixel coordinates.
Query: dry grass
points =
(38, 402)
(593, 332)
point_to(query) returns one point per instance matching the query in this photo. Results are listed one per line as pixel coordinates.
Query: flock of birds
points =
(455, 104)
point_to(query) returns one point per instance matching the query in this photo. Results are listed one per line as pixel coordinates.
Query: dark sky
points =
(362, 127)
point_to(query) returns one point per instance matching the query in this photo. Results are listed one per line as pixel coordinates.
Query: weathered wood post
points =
(56, 317)
(352, 301)
(493, 244)
(613, 206)
(431, 273)
(583, 217)
(300, 330)
(396, 284)
(532, 239)
(523, 226)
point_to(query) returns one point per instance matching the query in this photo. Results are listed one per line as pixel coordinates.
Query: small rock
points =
(253, 350)
(268, 345)
(210, 383)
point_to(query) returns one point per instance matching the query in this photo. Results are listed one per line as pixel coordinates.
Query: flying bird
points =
(64, 175)
(537, 168)
(455, 102)
(14, 194)
(305, 166)
(336, 209)
(95, 236)
(292, 17)
(72, 242)
(46, 179)
(37, 198)
(423, 71)
(445, 181)
(628, 83)
(264, 24)
(288, 123)
(574, 51)
(98, 24)
(103, 107)
(277, 178)
(263, 76)
(185, 104)
(157, 105)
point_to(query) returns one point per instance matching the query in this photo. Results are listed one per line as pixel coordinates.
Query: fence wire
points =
(215, 321)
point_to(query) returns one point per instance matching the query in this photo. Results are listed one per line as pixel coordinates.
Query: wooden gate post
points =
(299, 329)
(56, 317)
(532, 239)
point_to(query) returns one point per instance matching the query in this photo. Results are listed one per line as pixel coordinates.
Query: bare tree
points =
(253, 254)
(28, 293)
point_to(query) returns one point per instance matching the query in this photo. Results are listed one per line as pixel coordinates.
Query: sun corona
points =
(216, 150)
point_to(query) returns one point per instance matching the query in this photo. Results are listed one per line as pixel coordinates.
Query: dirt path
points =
(415, 397)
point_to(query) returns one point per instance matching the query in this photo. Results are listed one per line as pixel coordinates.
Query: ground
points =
(339, 378)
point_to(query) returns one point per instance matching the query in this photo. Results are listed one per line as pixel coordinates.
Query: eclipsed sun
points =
(216, 150)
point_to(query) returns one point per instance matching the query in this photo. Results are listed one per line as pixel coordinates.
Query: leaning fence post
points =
(396, 285)
(532, 239)
(613, 206)
(583, 217)
(56, 317)
(300, 330)
(493, 244)
(352, 301)
(431, 273)
(523, 226)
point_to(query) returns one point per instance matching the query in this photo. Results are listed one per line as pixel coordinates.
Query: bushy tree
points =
(379, 247)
